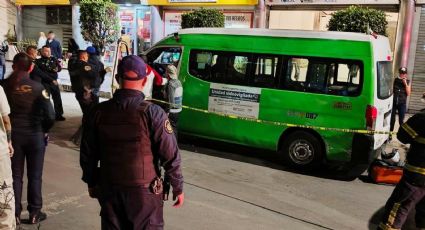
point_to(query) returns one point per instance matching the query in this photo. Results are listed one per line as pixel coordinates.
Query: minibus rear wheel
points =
(302, 150)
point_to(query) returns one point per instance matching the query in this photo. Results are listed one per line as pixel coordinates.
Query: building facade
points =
(315, 15)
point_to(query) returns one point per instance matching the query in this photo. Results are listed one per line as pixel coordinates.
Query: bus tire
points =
(302, 150)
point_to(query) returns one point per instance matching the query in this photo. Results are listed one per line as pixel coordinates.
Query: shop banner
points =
(173, 19)
(172, 22)
(238, 20)
(234, 100)
(331, 2)
(191, 1)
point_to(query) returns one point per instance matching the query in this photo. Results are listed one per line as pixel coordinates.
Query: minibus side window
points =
(267, 71)
(323, 76)
(220, 67)
(296, 74)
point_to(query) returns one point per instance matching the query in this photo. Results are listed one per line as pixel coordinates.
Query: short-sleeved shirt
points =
(4, 111)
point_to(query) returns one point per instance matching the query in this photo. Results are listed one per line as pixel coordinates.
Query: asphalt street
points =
(226, 186)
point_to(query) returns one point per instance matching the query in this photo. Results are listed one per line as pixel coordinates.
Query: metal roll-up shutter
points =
(418, 78)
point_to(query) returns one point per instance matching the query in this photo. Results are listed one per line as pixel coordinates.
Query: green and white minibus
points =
(304, 78)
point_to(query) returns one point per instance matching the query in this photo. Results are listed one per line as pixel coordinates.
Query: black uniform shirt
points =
(83, 75)
(39, 76)
(50, 66)
(31, 110)
(400, 94)
(164, 144)
(100, 68)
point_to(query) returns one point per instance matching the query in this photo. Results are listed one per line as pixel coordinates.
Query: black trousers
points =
(399, 109)
(84, 105)
(131, 209)
(29, 147)
(56, 96)
(174, 121)
(404, 198)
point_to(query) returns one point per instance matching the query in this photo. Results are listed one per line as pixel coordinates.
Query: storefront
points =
(315, 14)
(238, 13)
(135, 21)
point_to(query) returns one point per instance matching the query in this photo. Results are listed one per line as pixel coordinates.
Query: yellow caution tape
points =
(277, 123)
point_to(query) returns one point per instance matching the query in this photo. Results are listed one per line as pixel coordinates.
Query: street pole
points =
(407, 14)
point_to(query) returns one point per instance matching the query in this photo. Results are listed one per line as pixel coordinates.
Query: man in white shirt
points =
(7, 198)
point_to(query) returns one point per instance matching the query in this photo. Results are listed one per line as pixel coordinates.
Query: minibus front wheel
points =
(301, 150)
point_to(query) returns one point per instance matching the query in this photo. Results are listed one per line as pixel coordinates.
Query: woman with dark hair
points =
(32, 116)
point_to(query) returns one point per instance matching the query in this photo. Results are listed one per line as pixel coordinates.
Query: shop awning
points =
(42, 2)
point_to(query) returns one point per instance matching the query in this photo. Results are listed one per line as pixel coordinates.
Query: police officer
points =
(37, 74)
(51, 66)
(94, 60)
(32, 116)
(402, 90)
(132, 139)
(410, 192)
(84, 81)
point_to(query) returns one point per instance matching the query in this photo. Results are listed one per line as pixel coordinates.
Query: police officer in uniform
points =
(84, 81)
(32, 116)
(94, 60)
(410, 192)
(132, 139)
(37, 74)
(51, 66)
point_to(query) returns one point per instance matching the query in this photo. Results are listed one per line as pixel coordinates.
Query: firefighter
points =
(410, 192)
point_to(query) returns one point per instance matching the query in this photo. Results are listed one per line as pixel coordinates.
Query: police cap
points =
(132, 68)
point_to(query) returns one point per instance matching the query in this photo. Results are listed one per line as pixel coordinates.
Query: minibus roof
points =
(331, 35)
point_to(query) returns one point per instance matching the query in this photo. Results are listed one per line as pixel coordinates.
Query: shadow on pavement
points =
(377, 217)
(261, 157)
(62, 132)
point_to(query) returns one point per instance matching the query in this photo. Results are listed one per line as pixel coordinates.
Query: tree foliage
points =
(99, 22)
(358, 19)
(203, 18)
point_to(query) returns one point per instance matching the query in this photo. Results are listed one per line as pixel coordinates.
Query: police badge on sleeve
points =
(45, 94)
(168, 127)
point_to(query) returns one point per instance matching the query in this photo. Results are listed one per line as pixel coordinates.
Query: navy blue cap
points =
(91, 50)
(130, 66)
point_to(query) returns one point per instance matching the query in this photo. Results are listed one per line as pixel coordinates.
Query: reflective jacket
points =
(413, 132)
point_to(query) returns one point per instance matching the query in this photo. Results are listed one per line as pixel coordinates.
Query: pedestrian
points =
(174, 94)
(37, 74)
(7, 198)
(32, 117)
(130, 138)
(402, 90)
(410, 191)
(42, 41)
(126, 43)
(4, 47)
(55, 46)
(51, 66)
